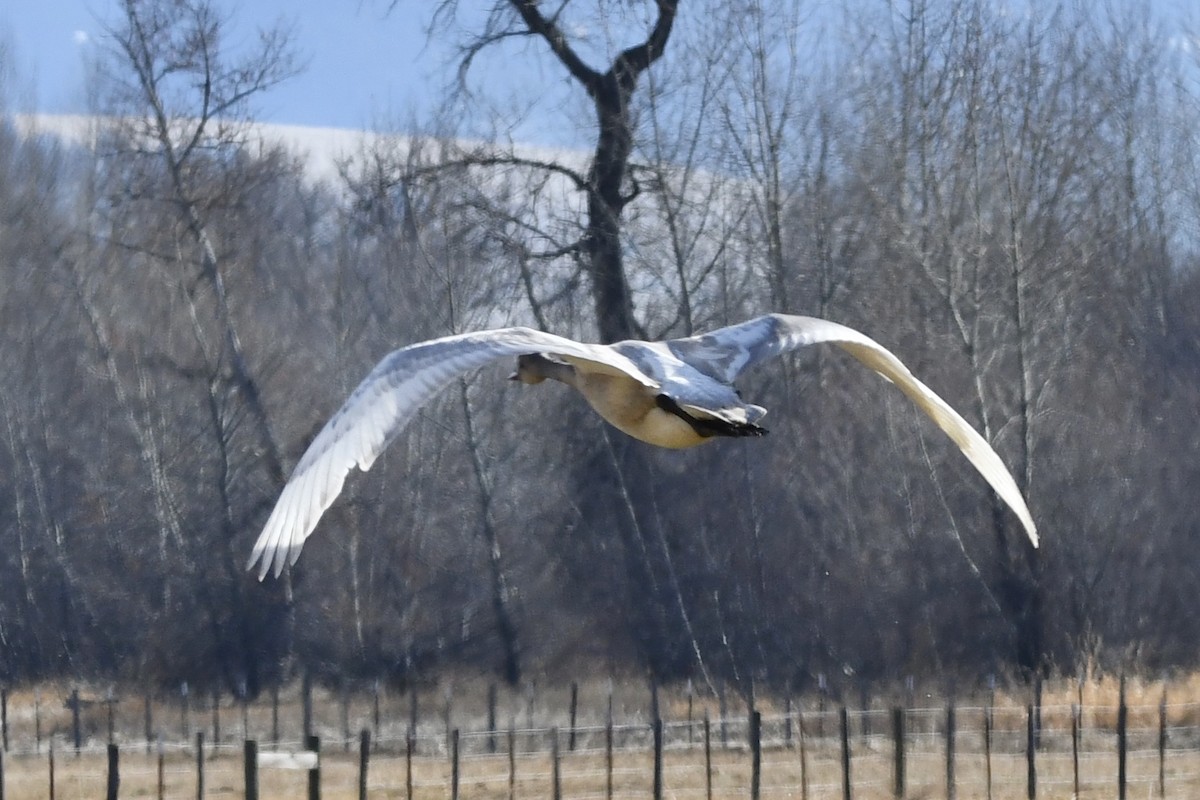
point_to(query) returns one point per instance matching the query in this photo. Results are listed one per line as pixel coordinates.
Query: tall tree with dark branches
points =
(608, 184)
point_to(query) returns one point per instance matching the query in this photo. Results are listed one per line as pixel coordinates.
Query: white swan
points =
(675, 393)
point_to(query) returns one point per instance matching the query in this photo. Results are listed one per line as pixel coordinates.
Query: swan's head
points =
(531, 369)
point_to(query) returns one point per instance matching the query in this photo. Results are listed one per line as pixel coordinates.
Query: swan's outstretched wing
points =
(725, 353)
(380, 408)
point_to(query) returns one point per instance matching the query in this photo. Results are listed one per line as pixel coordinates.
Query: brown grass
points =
(26, 777)
(584, 773)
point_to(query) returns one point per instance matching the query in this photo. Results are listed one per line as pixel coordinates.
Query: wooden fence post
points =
(987, 746)
(1075, 748)
(162, 771)
(708, 774)
(184, 723)
(51, 764)
(275, 714)
(409, 742)
(375, 709)
(491, 717)
(1162, 743)
(574, 708)
(199, 765)
(755, 754)
(691, 700)
(658, 759)
(448, 699)
(950, 734)
(787, 721)
(306, 704)
(76, 731)
(113, 784)
(723, 709)
(555, 766)
(1037, 710)
(216, 717)
(148, 720)
(250, 768)
(345, 715)
(530, 699)
(364, 754)
(244, 702)
(454, 764)
(898, 750)
(4, 717)
(1030, 754)
(512, 761)
(844, 723)
(412, 712)
(110, 700)
(1122, 741)
(608, 712)
(608, 753)
(803, 755)
(1, 774)
(313, 743)
(822, 702)
(864, 702)
(37, 720)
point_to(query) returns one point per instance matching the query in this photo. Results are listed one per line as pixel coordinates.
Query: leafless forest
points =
(1010, 201)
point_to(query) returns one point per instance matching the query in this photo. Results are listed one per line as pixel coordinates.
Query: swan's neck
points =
(544, 368)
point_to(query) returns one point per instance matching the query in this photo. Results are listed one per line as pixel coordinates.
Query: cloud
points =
(80, 38)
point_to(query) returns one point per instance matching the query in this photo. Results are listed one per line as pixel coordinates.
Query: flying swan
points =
(675, 394)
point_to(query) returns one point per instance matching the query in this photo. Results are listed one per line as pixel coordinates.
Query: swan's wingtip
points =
(265, 561)
(260, 563)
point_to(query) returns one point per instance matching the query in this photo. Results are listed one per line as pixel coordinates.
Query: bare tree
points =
(611, 89)
(177, 141)
(181, 100)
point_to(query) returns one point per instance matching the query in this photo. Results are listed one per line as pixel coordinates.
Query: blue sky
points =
(364, 65)
(361, 61)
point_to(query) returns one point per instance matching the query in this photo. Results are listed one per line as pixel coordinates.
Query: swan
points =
(675, 394)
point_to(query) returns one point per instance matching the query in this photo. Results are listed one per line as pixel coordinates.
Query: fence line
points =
(823, 748)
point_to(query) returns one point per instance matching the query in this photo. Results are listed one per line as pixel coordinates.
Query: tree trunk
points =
(611, 92)
(606, 266)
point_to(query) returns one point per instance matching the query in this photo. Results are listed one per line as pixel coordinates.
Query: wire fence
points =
(684, 748)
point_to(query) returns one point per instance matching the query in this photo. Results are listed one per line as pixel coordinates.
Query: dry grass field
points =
(586, 776)
(989, 762)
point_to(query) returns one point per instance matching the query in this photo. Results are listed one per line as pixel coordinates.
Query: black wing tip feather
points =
(709, 426)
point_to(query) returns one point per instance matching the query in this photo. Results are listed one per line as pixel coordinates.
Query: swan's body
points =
(673, 394)
(639, 410)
